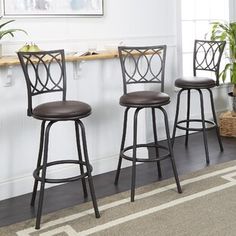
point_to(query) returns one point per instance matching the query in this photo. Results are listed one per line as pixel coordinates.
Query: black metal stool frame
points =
(124, 53)
(205, 65)
(45, 59)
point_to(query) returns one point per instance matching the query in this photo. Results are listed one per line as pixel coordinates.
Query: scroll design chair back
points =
(206, 57)
(45, 72)
(144, 65)
(36, 63)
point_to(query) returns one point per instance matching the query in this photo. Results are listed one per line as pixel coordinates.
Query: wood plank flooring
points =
(187, 159)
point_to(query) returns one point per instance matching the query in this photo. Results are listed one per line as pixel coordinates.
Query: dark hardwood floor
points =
(187, 160)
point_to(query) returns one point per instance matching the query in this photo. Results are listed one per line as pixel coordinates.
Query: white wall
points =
(100, 85)
(122, 20)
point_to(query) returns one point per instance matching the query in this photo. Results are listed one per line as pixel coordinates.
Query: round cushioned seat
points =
(144, 98)
(61, 110)
(195, 82)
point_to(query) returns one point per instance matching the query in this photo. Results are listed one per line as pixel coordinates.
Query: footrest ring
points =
(145, 159)
(195, 120)
(63, 180)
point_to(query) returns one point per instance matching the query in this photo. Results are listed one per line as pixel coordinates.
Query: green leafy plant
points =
(227, 32)
(10, 32)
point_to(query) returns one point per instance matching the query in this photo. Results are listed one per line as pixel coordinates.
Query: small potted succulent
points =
(5, 32)
(227, 32)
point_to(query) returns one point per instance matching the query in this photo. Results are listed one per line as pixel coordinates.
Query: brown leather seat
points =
(61, 110)
(144, 98)
(195, 82)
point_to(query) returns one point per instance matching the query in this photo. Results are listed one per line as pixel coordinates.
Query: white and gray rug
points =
(207, 206)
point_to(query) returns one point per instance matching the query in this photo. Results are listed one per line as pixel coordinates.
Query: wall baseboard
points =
(10, 188)
(23, 184)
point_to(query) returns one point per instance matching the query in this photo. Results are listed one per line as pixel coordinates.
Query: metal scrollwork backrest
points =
(142, 65)
(207, 56)
(44, 72)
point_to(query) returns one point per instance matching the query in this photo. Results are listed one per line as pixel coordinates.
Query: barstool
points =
(37, 68)
(206, 57)
(144, 65)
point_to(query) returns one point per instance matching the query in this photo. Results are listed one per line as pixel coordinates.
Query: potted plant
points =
(5, 32)
(227, 32)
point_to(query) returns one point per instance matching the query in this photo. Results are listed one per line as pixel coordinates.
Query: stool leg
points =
(90, 179)
(133, 180)
(44, 168)
(171, 150)
(176, 116)
(188, 114)
(156, 142)
(80, 159)
(204, 126)
(38, 163)
(122, 145)
(215, 120)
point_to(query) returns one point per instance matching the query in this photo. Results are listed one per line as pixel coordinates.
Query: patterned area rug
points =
(207, 206)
